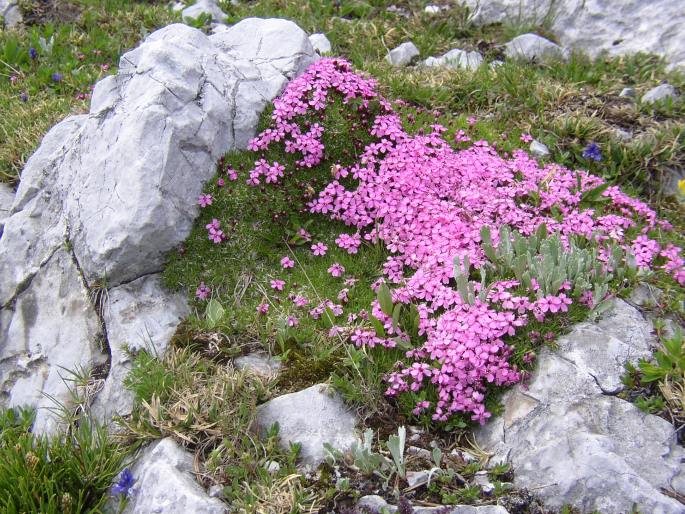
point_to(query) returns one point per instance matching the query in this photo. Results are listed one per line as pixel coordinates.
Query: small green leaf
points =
(385, 299)
(214, 313)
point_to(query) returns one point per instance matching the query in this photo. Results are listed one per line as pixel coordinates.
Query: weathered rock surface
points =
(165, 482)
(120, 184)
(207, 8)
(569, 438)
(376, 503)
(403, 54)
(259, 364)
(659, 93)
(456, 58)
(597, 26)
(47, 330)
(311, 417)
(538, 149)
(140, 315)
(534, 48)
(6, 200)
(320, 43)
(10, 13)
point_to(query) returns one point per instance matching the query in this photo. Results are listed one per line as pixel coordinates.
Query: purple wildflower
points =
(125, 484)
(57, 77)
(592, 152)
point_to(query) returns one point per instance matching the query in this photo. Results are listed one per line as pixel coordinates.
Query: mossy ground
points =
(194, 394)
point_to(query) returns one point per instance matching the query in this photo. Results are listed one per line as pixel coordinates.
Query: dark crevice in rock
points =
(26, 283)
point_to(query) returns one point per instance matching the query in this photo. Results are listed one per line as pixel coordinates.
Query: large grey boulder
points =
(119, 185)
(311, 417)
(140, 315)
(403, 55)
(573, 441)
(456, 59)
(6, 200)
(534, 48)
(10, 13)
(49, 329)
(596, 26)
(165, 482)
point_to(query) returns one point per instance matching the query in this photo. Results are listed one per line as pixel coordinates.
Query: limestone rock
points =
(120, 186)
(375, 503)
(204, 7)
(165, 482)
(6, 200)
(10, 13)
(595, 26)
(311, 417)
(49, 329)
(320, 43)
(531, 47)
(139, 315)
(403, 54)
(627, 92)
(659, 93)
(259, 364)
(567, 432)
(456, 58)
(538, 149)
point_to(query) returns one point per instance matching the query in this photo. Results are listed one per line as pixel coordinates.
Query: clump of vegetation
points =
(68, 473)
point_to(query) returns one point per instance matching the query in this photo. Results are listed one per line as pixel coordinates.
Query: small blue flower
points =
(24, 97)
(592, 152)
(57, 77)
(125, 484)
(32, 53)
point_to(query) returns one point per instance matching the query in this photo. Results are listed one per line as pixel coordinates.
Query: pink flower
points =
(526, 138)
(319, 249)
(220, 182)
(263, 308)
(204, 200)
(292, 321)
(232, 174)
(337, 270)
(471, 120)
(277, 284)
(202, 292)
(300, 301)
(287, 262)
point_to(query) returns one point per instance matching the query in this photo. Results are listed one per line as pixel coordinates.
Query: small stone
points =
(165, 482)
(433, 9)
(417, 478)
(456, 59)
(216, 491)
(207, 7)
(538, 149)
(320, 43)
(496, 64)
(623, 135)
(272, 467)
(481, 479)
(400, 11)
(259, 364)
(311, 417)
(403, 54)
(375, 503)
(627, 92)
(531, 47)
(419, 452)
(659, 93)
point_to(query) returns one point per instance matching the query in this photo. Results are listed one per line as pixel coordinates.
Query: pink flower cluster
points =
(427, 203)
